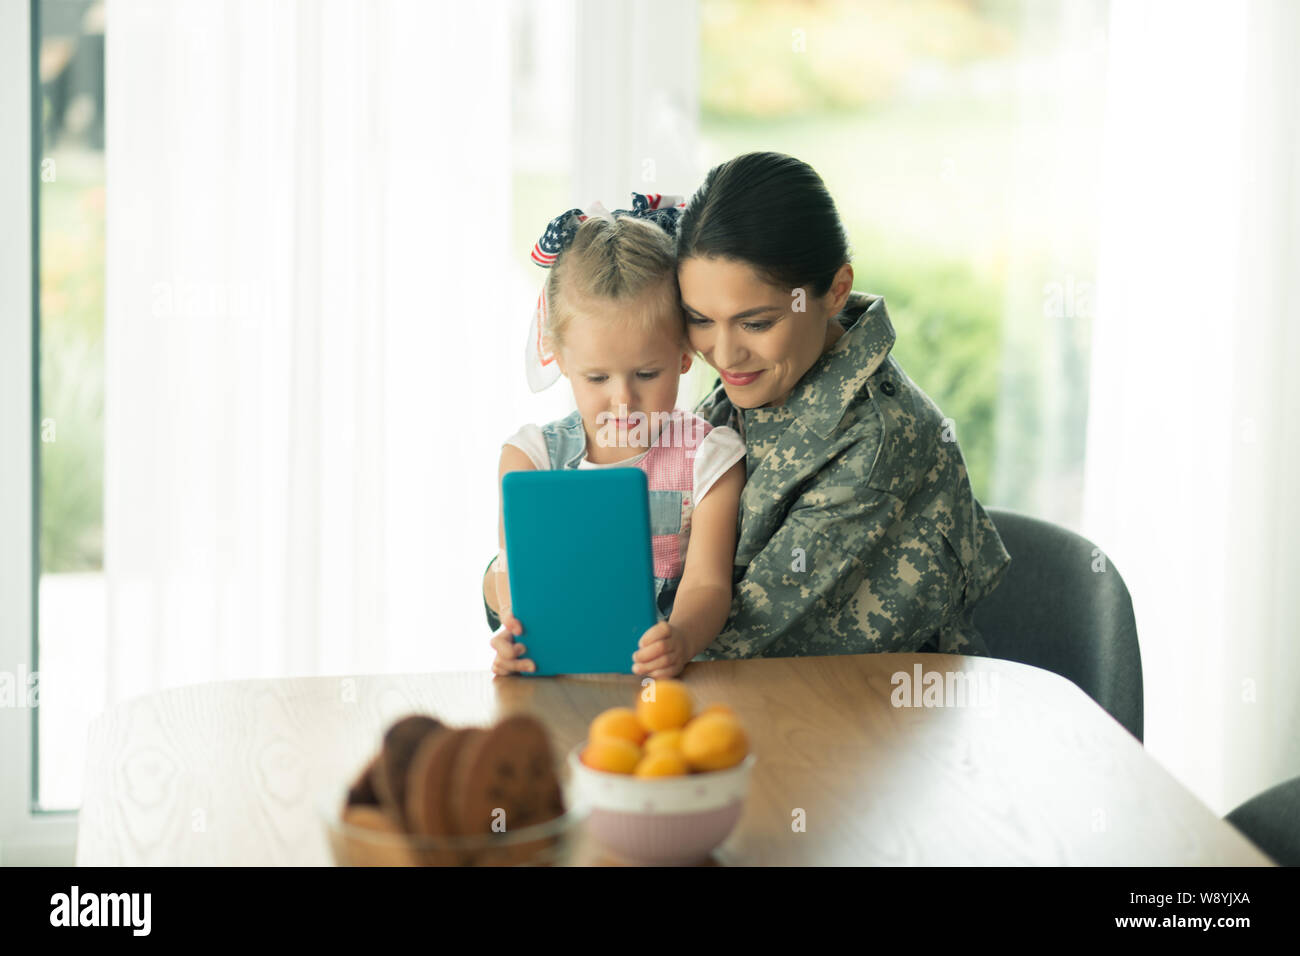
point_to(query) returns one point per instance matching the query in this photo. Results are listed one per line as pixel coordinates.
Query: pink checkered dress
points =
(670, 473)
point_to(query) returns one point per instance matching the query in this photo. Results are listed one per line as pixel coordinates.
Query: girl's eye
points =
(595, 379)
(646, 376)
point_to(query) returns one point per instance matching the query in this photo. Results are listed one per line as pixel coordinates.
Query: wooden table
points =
(1032, 773)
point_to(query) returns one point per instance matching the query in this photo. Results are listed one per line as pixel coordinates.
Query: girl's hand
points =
(510, 653)
(662, 654)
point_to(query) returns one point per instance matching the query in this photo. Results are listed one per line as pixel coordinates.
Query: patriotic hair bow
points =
(663, 211)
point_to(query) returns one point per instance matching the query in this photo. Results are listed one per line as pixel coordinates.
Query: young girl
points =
(609, 319)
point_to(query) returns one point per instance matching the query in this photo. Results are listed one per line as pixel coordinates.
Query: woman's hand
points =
(662, 652)
(510, 653)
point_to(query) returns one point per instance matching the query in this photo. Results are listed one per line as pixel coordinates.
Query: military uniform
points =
(858, 530)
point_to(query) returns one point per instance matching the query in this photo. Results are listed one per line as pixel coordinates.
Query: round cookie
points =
(510, 769)
(362, 791)
(429, 809)
(428, 782)
(401, 740)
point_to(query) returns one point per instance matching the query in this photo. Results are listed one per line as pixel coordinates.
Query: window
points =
(71, 387)
(961, 143)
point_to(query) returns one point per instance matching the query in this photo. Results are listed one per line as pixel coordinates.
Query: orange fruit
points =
(611, 754)
(665, 763)
(664, 705)
(664, 740)
(719, 709)
(618, 722)
(714, 742)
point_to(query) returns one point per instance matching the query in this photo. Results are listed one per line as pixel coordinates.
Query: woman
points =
(858, 530)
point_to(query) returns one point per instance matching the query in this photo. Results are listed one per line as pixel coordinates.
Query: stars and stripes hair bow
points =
(664, 211)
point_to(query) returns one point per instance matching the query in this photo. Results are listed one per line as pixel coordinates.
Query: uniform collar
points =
(826, 390)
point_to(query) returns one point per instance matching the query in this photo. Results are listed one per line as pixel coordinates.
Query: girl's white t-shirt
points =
(717, 451)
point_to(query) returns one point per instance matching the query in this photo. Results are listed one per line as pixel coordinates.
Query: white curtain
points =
(307, 284)
(1192, 437)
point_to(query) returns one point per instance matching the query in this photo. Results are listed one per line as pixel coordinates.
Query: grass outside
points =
(72, 364)
(961, 257)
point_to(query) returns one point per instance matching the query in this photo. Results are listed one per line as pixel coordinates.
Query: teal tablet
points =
(580, 566)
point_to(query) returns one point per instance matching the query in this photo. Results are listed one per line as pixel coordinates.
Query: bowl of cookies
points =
(442, 796)
(665, 784)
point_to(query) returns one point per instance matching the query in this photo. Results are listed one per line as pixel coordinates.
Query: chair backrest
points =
(1062, 606)
(1268, 820)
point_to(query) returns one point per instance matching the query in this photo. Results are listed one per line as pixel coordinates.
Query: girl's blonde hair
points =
(620, 260)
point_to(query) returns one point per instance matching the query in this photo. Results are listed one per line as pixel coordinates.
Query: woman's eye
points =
(646, 376)
(693, 320)
(756, 326)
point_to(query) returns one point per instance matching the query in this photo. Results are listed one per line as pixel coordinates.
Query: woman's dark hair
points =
(772, 212)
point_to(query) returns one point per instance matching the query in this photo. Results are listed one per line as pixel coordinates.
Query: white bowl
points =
(665, 821)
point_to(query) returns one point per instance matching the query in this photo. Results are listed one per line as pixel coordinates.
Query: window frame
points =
(28, 836)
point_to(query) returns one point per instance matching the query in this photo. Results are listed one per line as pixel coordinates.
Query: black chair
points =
(1054, 611)
(1271, 821)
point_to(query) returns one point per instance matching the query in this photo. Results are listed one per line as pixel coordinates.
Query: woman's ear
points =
(840, 288)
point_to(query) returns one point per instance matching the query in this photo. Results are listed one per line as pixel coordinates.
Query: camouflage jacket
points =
(858, 530)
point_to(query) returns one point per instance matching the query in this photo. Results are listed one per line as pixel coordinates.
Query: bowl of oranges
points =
(663, 783)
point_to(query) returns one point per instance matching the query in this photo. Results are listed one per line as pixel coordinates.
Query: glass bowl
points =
(551, 843)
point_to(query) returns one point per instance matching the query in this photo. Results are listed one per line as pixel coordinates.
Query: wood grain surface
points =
(1032, 773)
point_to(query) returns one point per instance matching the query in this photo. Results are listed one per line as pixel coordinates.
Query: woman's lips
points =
(739, 378)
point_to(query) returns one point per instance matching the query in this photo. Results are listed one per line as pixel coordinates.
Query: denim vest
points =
(566, 445)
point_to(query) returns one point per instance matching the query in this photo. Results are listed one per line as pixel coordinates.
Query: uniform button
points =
(887, 387)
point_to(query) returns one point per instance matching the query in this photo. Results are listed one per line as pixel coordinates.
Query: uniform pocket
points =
(953, 584)
(933, 579)
(665, 512)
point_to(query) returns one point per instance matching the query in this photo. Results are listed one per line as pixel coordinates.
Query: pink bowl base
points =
(664, 839)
